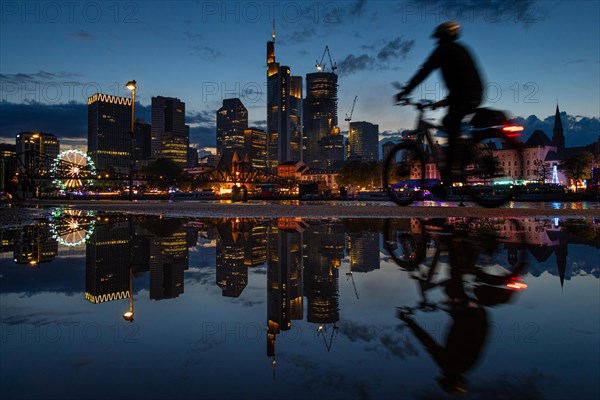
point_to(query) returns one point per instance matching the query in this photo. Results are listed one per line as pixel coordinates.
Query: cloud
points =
(386, 52)
(352, 64)
(200, 117)
(40, 78)
(203, 136)
(524, 12)
(578, 130)
(82, 35)
(395, 48)
(67, 120)
(201, 49)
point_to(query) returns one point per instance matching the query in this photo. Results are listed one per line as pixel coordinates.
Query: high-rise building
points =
(386, 149)
(284, 278)
(166, 276)
(35, 245)
(363, 250)
(232, 271)
(319, 115)
(255, 145)
(109, 136)
(192, 157)
(142, 141)
(323, 250)
(36, 151)
(363, 141)
(284, 112)
(232, 121)
(107, 263)
(170, 134)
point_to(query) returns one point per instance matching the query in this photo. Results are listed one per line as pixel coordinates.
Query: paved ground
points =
(304, 209)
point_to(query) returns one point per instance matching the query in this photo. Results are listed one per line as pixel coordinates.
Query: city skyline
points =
(542, 59)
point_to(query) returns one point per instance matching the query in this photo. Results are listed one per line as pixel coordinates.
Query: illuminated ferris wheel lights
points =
(73, 169)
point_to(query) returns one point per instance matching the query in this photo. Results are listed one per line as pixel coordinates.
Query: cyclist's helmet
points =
(447, 31)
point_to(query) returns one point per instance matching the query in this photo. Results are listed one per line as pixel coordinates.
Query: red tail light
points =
(513, 130)
(516, 284)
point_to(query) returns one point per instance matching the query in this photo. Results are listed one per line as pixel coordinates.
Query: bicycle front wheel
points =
(404, 173)
(494, 169)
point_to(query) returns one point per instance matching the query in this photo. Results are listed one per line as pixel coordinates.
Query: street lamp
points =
(128, 315)
(131, 85)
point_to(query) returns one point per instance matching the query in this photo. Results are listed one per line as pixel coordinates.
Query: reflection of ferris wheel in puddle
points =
(72, 227)
(73, 170)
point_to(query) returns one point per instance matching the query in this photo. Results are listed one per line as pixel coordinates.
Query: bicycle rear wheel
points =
(404, 173)
(494, 167)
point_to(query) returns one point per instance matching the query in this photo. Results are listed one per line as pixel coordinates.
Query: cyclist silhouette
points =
(462, 80)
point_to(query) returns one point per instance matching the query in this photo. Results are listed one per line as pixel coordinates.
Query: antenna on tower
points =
(273, 32)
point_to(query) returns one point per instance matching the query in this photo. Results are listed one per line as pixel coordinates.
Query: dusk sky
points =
(54, 55)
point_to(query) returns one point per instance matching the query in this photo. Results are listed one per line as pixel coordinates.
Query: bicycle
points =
(413, 165)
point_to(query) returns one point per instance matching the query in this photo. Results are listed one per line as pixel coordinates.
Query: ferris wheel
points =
(72, 227)
(73, 170)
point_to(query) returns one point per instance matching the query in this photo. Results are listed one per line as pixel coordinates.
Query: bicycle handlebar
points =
(421, 105)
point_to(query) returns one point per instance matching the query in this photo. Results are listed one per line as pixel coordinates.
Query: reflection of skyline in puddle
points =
(302, 260)
(161, 247)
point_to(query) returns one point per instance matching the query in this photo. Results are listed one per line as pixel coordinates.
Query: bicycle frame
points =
(484, 179)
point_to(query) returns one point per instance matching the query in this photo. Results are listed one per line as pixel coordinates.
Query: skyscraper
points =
(36, 151)
(109, 125)
(319, 115)
(107, 262)
(255, 144)
(232, 121)
(363, 141)
(284, 111)
(170, 135)
(142, 141)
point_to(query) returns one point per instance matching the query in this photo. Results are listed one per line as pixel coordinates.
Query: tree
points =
(577, 167)
(164, 173)
(360, 174)
(542, 171)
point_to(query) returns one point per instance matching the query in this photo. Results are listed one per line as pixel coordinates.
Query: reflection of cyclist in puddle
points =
(469, 327)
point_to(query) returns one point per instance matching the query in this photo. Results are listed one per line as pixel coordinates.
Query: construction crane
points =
(349, 117)
(350, 276)
(320, 66)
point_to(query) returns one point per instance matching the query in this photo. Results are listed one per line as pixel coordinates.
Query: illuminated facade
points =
(363, 141)
(363, 250)
(232, 271)
(36, 151)
(166, 274)
(322, 255)
(284, 278)
(255, 144)
(319, 115)
(107, 263)
(109, 125)
(35, 245)
(284, 112)
(232, 121)
(170, 135)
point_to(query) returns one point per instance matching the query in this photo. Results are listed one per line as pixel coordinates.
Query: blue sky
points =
(532, 54)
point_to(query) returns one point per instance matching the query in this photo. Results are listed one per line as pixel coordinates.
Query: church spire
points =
(558, 137)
